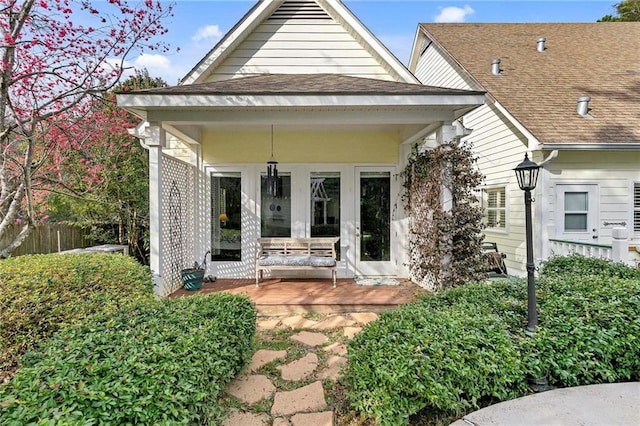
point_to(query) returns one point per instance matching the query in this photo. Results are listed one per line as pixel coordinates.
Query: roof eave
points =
(591, 146)
(148, 101)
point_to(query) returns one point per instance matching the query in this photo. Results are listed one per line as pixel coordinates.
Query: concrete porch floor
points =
(279, 296)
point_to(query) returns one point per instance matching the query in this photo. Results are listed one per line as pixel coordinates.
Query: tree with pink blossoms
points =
(56, 58)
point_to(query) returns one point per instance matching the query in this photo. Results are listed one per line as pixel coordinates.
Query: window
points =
(325, 206)
(576, 210)
(636, 207)
(226, 217)
(495, 207)
(275, 213)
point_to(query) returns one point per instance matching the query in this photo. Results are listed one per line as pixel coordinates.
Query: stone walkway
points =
(286, 381)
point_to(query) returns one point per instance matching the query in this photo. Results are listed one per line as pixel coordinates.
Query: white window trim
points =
(505, 186)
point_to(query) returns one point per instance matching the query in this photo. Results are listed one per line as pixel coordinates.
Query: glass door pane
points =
(375, 216)
(275, 213)
(226, 217)
(325, 206)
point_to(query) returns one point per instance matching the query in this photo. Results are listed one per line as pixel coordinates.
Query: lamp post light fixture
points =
(527, 175)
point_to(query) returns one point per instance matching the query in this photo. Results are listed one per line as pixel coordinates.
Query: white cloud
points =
(454, 14)
(208, 32)
(152, 62)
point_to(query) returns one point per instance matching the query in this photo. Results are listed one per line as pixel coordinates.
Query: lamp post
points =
(527, 175)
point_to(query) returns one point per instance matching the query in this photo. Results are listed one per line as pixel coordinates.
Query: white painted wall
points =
(613, 172)
(299, 46)
(433, 69)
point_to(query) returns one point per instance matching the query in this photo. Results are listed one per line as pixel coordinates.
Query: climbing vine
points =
(445, 217)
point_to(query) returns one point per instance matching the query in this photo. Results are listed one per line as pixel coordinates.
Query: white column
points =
(620, 245)
(155, 139)
(446, 134)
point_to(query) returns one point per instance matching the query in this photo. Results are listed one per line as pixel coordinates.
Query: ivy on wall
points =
(445, 240)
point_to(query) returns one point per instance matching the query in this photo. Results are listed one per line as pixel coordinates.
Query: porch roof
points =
(312, 101)
(303, 84)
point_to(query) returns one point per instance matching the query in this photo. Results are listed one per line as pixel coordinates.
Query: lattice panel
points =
(178, 207)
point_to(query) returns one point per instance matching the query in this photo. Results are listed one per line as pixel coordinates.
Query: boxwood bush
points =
(464, 348)
(159, 362)
(40, 294)
(587, 266)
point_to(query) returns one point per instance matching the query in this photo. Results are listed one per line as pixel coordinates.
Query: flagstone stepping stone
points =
(251, 389)
(264, 357)
(332, 371)
(326, 418)
(305, 399)
(298, 321)
(238, 418)
(299, 369)
(336, 348)
(280, 421)
(333, 323)
(364, 318)
(268, 324)
(310, 339)
(350, 332)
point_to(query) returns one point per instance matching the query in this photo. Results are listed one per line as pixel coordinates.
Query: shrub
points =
(448, 353)
(41, 294)
(466, 347)
(587, 266)
(159, 362)
(589, 330)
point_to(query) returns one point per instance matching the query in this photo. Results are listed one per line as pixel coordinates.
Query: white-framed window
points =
(494, 202)
(636, 207)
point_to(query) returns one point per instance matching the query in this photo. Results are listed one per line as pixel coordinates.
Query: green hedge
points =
(159, 362)
(587, 266)
(41, 294)
(466, 347)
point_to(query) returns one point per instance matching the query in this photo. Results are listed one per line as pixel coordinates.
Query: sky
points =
(197, 25)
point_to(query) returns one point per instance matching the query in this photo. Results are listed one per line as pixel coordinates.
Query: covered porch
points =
(341, 143)
(279, 296)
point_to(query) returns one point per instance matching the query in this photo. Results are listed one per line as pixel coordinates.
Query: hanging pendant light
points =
(272, 172)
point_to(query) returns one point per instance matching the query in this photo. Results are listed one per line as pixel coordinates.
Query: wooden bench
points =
(295, 254)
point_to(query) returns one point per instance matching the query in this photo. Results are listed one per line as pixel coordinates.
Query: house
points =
(567, 94)
(297, 124)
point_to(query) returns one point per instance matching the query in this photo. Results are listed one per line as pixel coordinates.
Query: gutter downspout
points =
(541, 212)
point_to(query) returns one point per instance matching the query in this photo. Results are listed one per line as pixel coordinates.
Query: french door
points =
(373, 249)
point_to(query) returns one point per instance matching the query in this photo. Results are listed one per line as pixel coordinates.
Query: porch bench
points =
(296, 254)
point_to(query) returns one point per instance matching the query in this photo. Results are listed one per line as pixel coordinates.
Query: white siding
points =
(300, 46)
(613, 172)
(500, 147)
(434, 70)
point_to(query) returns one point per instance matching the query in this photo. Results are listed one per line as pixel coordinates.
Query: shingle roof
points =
(600, 60)
(303, 84)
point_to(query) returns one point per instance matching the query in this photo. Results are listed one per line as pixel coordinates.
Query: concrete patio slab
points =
(606, 404)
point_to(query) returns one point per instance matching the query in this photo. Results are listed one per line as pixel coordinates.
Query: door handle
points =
(358, 231)
(595, 237)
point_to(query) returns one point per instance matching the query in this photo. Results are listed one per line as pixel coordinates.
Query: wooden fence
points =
(48, 238)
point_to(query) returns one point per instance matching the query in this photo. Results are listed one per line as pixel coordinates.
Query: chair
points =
(494, 259)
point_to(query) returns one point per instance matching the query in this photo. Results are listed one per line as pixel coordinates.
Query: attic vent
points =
(540, 44)
(582, 108)
(300, 10)
(495, 67)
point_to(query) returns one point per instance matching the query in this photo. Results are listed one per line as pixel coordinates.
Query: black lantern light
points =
(527, 175)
